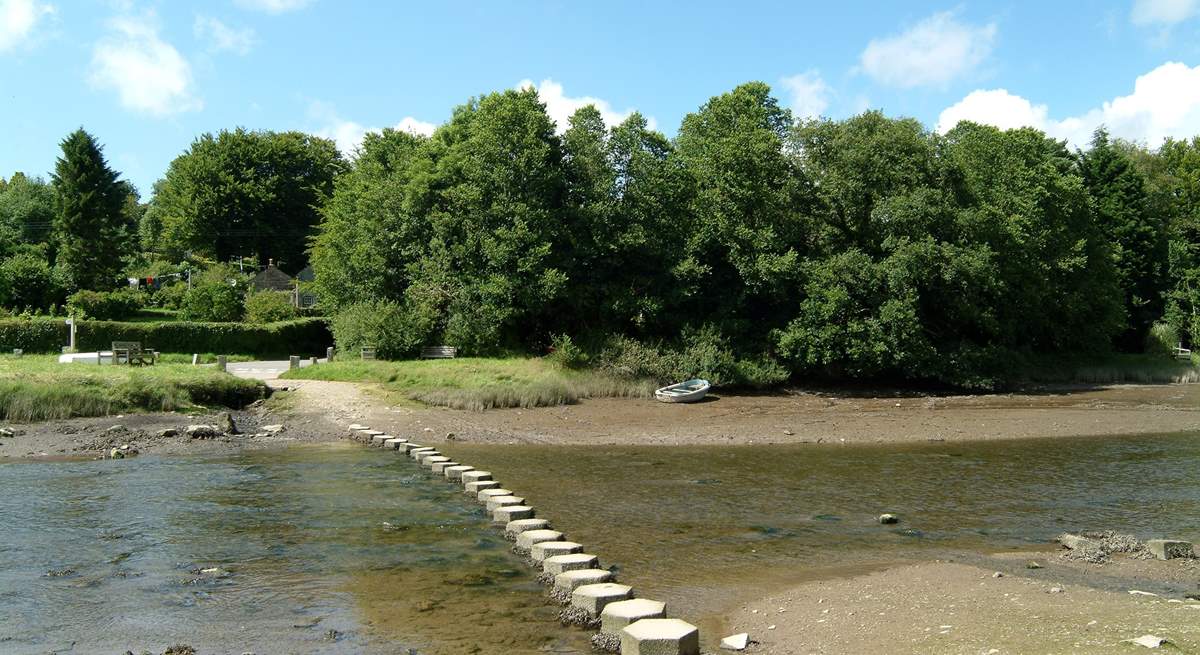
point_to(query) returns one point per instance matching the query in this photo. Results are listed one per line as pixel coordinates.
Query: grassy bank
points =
(477, 383)
(37, 387)
(1114, 369)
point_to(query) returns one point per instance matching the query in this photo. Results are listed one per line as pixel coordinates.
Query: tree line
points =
(868, 247)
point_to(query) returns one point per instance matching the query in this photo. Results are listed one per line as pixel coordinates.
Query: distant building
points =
(272, 279)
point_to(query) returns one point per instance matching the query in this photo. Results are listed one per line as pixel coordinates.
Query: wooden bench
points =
(131, 352)
(439, 352)
(1182, 353)
(367, 352)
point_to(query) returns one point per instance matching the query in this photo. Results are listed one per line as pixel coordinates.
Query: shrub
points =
(213, 302)
(171, 296)
(269, 307)
(26, 280)
(566, 354)
(382, 324)
(1162, 340)
(33, 336)
(703, 353)
(105, 305)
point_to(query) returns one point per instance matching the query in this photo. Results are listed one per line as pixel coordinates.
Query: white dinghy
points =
(684, 392)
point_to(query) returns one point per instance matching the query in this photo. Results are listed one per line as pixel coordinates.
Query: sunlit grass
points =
(480, 383)
(1117, 369)
(37, 387)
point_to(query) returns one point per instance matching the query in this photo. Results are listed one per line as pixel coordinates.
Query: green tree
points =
(89, 222)
(748, 230)
(245, 193)
(26, 211)
(1137, 236)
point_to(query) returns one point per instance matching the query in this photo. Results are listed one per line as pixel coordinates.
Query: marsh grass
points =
(1117, 369)
(480, 383)
(37, 387)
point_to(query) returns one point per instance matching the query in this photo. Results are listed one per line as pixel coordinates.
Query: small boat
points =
(684, 392)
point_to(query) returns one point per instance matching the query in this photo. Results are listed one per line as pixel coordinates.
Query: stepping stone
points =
(617, 615)
(484, 494)
(524, 526)
(456, 472)
(474, 488)
(1170, 548)
(496, 502)
(476, 476)
(433, 460)
(354, 427)
(407, 448)
(541, 550)
(506, 515)
(377, 440)
(421, 457)
(370, 433)
(413, 452)
(439, 468)
(572, 562)
(569, 581)
(593, 598)
(660, 637)
(394, 443)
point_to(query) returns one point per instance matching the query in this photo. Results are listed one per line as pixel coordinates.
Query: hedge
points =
(308, 336)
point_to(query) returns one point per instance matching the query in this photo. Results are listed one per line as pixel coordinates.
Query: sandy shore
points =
(952, 607)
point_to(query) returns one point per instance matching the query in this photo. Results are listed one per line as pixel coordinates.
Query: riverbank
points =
(797, 416)
(954, 607)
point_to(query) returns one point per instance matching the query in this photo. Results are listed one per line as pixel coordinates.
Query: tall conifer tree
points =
(89, 224)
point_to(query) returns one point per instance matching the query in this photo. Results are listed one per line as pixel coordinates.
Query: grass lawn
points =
(37, 387)
(479, 383)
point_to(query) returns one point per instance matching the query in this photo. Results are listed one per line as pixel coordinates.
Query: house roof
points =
(272, 279)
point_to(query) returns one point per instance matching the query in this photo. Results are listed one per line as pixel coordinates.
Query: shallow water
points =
(105, 556)
(704, 527)
(301, 534)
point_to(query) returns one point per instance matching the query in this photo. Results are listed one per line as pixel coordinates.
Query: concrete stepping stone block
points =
(522, 526)
(484, 494)
(474, 488)
(476, 476)
(394, 443)
(356, 426)
(413, 452)
(593, 598)
(496, 502)
(660, 637)
(617, 615)
(378, 439)
(571, 562)
(421, 457)
(510, 513)
(439, 468)
(431, 460)
(1170, 548)
(568, 581)
(543, 549)
(455, 473)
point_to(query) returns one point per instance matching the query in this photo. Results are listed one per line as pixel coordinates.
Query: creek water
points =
(339, 549)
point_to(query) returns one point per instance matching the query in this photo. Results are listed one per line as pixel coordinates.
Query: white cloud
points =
(18, 18)
(1163, 12)
(1164, 103)
(560, 107)
(148, 74)
(933, 52)
(221, 37)
(993, 107)
(274, 6)
(348, 135)
(810, 94)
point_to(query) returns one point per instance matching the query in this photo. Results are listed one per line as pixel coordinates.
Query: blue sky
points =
(147, 77)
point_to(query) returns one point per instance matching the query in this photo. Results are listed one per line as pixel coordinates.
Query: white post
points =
(71, 325)
(195, 359)
(221, 363)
